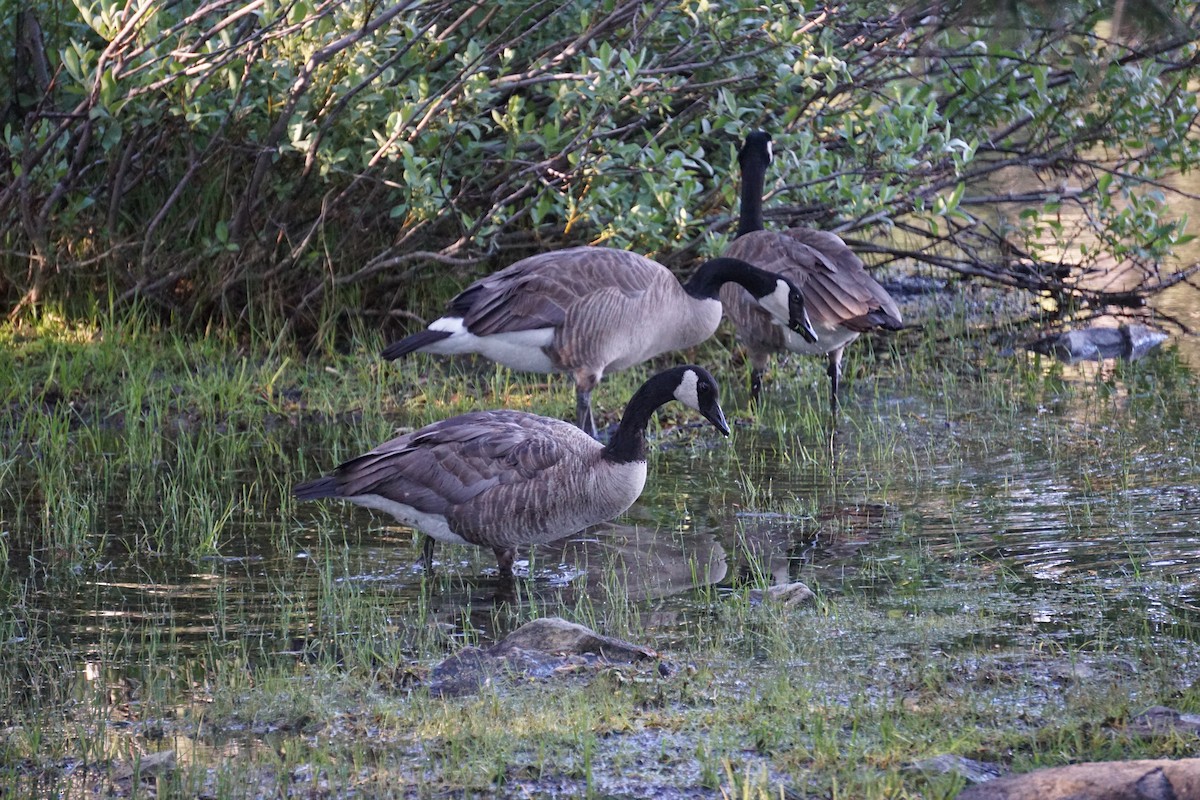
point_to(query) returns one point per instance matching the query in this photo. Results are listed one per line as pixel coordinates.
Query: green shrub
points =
(287, 160)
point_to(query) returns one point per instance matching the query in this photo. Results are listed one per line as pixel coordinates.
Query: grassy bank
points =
(163, 592)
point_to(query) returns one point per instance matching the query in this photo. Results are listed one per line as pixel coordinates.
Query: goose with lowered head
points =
(505, 478)
(588, 311)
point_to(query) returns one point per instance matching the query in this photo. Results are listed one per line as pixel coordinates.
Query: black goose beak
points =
(798, 315)
(716, 416)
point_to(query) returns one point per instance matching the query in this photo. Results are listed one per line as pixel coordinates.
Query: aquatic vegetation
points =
(1003, 552)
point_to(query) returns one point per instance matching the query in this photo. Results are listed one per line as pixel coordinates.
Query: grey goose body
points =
(841, 297)
(587, 311)
(506, 478)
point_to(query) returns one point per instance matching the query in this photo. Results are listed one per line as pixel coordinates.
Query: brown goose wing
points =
(452, 462)
(539, 291)
(844, 270)
(837, 288)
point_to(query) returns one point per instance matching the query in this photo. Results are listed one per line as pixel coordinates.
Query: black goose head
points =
(774, 292)
(782, 299)
(696, 388)
(757, 147)
(691, 385)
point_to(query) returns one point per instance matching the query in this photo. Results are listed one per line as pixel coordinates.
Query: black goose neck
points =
(628, 443)
(754, 177)
(707, 281)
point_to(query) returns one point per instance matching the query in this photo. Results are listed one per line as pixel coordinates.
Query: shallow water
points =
(1034, 514)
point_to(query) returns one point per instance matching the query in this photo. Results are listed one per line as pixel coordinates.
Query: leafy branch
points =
(302, 155)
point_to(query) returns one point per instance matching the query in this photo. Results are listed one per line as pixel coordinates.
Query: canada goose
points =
(591, 310)
(504, 478)
(842, 299)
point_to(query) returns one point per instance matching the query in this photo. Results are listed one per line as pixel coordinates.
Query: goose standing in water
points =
(842, 299)
(505, 478)
(591, 310)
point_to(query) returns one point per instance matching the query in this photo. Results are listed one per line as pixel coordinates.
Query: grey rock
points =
(556, 635)
(465, 672)
(1141, 339)
(537, 650)
(789, 594)
(1163, 721)
(146, 765)
(1095, 344)
(1072, 671)
(947, 763)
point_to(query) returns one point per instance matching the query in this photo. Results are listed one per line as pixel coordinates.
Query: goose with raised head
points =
(505, 478)
(841, 297)
(588, 311)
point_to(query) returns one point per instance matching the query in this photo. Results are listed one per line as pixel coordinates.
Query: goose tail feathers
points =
(316, 489)
(411, 344)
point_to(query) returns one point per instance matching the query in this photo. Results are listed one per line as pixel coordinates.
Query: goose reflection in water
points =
(644, 562)
(778, 549)
(641, 562)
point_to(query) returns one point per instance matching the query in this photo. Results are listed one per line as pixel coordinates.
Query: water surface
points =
(1088, 499)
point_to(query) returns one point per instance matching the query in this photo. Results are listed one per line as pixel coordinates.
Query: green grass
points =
(281, 648)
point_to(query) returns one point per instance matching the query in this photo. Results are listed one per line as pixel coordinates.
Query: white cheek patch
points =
(770, 151)
(686, 392)
(776, 303)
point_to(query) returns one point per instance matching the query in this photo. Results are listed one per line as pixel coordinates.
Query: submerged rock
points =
(1150, 779)
(538, 649)
(147, 765)
(971, 771)
(1095, 344)
(789, 594)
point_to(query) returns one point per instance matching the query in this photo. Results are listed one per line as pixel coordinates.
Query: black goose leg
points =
(427, 555)
(583, 413)
(583, 410)
(756, 378)
(758, 368)
(835, 380)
